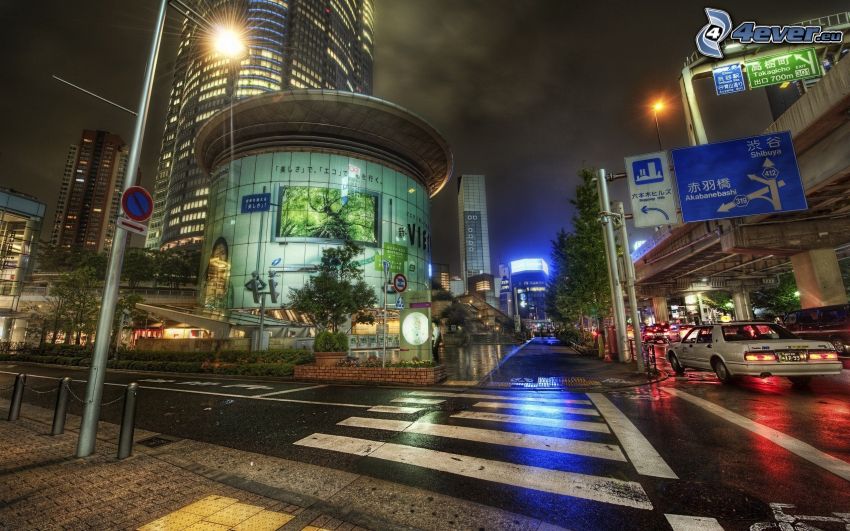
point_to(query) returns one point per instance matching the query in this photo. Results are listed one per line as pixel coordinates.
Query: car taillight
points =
(822, 355)
(760, 356)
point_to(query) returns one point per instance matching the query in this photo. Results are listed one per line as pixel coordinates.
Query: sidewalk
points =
(182, 484)
(542, 366)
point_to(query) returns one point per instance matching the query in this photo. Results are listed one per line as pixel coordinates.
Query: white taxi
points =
(755, 349)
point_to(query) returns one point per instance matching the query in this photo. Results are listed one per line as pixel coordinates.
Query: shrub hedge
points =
(271, 363)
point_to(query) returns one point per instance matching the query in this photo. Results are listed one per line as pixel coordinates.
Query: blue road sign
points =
(136, 203)
(651, 190)
(745, 177)
(729, 79)
(256, 203)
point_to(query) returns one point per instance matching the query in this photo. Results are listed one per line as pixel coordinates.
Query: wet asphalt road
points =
(788, 449)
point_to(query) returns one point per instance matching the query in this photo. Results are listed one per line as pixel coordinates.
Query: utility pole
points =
(386, 265)
(629, 270)
(605, 217)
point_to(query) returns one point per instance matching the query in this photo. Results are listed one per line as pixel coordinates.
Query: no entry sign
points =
(137, 203)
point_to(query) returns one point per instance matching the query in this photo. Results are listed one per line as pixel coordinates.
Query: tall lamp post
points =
(657, 107)
(97, 372)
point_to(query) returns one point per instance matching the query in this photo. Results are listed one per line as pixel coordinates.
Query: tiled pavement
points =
(42, 486)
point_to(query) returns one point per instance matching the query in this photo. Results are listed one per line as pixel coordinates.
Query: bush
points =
(327, 341)
(374, 363)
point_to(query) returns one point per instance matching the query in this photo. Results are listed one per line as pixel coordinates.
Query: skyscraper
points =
(472, 224)
(90, 192)
(290, 44)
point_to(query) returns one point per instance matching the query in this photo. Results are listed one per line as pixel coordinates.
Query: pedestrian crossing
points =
(565, 430)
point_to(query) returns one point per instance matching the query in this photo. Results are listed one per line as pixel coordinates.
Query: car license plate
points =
(790, 356)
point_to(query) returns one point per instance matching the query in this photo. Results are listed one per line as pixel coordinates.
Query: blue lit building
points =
(528, 280)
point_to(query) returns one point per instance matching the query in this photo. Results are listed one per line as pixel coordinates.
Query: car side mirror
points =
(709, 345)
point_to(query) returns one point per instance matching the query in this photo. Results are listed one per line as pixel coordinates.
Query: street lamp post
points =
(97, 373)
(656, 108)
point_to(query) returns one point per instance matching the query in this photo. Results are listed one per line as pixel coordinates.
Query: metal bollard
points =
(128, 422)
(17, 396)
(59, 413)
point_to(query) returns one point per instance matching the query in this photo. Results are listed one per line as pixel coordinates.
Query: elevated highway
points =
(742, 254)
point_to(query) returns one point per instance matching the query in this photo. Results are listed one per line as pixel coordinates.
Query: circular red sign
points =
(137, 203)
(399, 283)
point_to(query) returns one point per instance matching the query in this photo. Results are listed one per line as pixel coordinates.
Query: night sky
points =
(526, 92)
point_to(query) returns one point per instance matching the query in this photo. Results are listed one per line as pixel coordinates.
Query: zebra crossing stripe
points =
(411, 400)
(396, 409)
(680, 522)
(541, 409)
(564, 401)
(595, 488)
(599, 427)
(644, 457)
(504, 438)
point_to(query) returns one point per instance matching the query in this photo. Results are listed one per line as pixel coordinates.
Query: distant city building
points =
(291, 44)
(472, 226)
(457, 286)
(484, 286)
(506, 300)
(90, 193)
(529, 278)
(440, 274)
(21, 217)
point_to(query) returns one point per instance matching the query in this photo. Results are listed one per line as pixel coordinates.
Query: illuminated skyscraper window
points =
(324, 44)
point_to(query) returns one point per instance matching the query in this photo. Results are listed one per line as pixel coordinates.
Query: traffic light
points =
(256, 286)
(273, 283)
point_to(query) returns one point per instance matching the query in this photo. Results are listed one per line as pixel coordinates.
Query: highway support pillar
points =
(743, 307)
(818, 278)
(660, 310)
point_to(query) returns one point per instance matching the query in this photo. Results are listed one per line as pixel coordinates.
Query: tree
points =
(336, 292)
(454, 314)
(779, 299)
(580, 286)
(138, 267)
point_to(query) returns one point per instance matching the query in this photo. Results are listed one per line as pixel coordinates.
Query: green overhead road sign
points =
(783, 68)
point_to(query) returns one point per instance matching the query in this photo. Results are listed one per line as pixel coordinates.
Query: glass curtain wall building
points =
(472, 224)
(290, 44)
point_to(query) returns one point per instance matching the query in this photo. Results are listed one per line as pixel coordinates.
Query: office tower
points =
(472, 225)
(440, 275)
(90, 193)
(529, 278)
(323, 44)
(506, 302)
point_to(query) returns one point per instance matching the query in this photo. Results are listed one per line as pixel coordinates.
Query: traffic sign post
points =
(651, 190)
(131, 226)
(728, 79)
(137, 203)
(744, 177)
(400, 283)
(782, 68)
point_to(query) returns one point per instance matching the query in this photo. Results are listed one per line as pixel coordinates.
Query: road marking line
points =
(227, 395)
(504, 438)
(601, 489)
(541, 409)
(417, 401)
(396, 409)
(599, 427)
(681, 522)
(502, 397)
(646, 460)
(290, 391)
(806, 451)
(375, 424)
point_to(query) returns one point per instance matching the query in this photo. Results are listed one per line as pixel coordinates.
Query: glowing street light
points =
(228, 43)
(657, 107)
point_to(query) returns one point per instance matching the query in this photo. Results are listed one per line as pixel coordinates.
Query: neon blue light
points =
(529, 264)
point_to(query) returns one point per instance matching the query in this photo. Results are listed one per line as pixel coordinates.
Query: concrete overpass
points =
(743, 254)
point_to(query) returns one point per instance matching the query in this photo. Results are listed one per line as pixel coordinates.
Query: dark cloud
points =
(527, 92)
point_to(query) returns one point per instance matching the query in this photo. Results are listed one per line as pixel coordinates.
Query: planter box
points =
(329, 359)
(374, 375)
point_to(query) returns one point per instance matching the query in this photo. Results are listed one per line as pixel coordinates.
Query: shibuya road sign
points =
(744, 177)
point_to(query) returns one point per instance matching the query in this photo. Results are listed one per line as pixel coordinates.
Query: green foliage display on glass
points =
(308, 212)
(327, 341)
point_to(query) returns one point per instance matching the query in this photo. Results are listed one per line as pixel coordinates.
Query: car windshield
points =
(757, 331)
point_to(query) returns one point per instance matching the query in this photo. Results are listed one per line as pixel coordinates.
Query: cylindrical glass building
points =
(309, 169)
